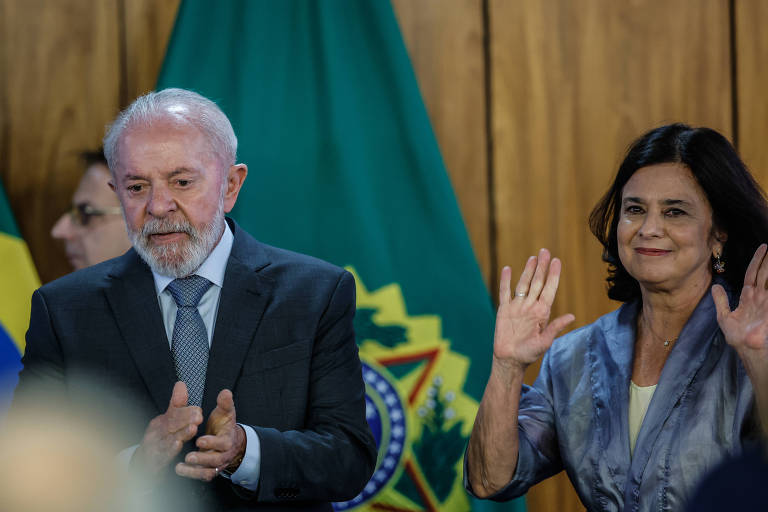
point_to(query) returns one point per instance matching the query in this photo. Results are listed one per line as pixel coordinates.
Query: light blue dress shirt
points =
(213, 269)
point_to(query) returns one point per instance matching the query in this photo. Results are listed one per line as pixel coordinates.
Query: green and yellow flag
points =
(18, 279)
(343, 165)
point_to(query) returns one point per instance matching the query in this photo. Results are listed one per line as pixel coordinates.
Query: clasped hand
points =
(523, 329)
(223, 442)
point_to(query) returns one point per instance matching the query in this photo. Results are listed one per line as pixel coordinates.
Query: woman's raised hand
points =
(746, 327)
(523, 330)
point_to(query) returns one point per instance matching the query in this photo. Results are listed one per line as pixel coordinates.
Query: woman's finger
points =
(750, 277)
(524, 283)
(557, 325)
(504, 284)
(762, 270)
(553, 281)
(537, 283)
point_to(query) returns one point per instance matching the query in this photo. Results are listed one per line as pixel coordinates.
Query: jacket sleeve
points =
(332, 458)
(43, 360)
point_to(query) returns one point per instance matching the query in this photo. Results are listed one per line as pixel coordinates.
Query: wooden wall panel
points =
(573, 83)
(59, 81)
(148, 26)
(752, 84)
(445, 42)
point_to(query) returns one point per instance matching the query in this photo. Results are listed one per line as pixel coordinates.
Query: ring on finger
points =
(521, 294)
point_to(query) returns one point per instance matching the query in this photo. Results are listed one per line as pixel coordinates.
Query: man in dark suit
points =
(243, 352)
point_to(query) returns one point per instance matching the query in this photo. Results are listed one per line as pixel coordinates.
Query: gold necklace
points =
(667, 342)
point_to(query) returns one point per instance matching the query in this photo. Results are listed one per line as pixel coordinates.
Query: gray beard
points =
(178, 259)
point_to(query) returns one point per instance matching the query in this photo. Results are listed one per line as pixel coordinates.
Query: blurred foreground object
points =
(61, 456)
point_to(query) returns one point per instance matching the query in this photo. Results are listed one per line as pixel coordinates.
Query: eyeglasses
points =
(82, 213)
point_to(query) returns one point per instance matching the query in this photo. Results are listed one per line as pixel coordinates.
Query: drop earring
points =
(718, 265)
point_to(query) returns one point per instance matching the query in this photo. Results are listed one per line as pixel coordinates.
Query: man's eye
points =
(183, 183)
(135, 188)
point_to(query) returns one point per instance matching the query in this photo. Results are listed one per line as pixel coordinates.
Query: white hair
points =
(182, 104)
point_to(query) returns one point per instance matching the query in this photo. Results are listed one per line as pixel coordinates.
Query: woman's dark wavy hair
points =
(738, 203)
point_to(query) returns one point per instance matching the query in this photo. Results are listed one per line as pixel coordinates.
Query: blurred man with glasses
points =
(93, 229)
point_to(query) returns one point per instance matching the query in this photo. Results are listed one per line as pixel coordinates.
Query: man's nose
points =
(161, 201)
(63, 229)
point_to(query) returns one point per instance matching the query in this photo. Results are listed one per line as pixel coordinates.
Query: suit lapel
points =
(132, 298)
(245, 295)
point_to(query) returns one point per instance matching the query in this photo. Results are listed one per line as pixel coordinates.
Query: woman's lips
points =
(651, 252)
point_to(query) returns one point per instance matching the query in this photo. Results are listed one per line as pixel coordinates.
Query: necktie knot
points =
(187, 291)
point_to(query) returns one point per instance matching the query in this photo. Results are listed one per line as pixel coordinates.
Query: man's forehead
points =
(164, 127)
(94, 187)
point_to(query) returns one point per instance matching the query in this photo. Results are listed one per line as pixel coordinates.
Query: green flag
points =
(18, 279)
(343, 165)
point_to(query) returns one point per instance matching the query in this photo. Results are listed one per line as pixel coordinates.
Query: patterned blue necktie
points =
(189, 342)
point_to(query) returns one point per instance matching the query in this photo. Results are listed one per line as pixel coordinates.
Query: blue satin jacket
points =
(575, 416)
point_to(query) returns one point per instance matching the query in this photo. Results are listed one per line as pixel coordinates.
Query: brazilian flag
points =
(18, 279)
(343, 165)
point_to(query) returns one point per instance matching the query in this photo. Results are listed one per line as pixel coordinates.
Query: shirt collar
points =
(213, 267)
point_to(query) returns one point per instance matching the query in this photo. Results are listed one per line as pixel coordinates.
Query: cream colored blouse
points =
(639, 398)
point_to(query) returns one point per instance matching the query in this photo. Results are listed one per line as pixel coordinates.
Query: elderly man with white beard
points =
(240, 356)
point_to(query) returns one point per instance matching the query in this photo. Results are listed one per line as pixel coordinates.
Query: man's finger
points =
(180, 418)
(225, 401)
(179, 396)
(184, 432)
(721, 302)
(196, 472)
(211, 459)
(217, 443)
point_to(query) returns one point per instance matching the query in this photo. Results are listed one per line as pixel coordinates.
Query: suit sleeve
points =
(43, 360)
(334, 456)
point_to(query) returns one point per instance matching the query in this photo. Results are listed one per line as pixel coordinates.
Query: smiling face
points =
(665, 233)
(174, 191)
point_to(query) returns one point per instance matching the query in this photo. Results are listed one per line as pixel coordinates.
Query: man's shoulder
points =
(93, 278)
(276, 260)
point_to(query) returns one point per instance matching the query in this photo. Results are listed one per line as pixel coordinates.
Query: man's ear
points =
(235, 177)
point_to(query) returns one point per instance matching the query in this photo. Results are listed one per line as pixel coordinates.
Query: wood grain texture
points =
(445, 43)
(59, 88)
(148, 27)
(573, 84)
(752, 84)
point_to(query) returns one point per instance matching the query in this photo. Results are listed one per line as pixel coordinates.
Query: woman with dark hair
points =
(638, 405)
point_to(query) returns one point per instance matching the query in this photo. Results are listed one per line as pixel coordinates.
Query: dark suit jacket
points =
(283, 343)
